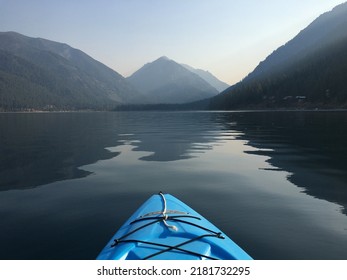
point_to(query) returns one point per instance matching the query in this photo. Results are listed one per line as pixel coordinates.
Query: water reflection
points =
(236, 168)
(310, 146)
(173, 136)
(38, 149)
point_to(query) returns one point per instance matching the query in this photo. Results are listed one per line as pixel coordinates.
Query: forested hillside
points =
(310, 71)
(38, 74)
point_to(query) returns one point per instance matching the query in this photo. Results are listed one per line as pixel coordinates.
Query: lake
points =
(275, 182)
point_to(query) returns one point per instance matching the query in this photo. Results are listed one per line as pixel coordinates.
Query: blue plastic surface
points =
(197, 237)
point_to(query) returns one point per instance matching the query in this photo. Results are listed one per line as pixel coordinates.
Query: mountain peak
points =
(163, 58)
(166, 81)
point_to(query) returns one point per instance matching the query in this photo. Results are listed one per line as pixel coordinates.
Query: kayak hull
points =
(164, 228)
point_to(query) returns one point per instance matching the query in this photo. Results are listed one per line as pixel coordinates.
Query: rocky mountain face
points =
(40, 74)
(167, 82)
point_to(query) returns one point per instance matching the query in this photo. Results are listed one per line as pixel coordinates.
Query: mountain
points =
(166, 81)
(308, 71)
(208, 77)
(40, 74)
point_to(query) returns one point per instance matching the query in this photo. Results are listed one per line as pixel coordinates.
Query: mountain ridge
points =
(66, 77)
(208, 77)
(312, 37)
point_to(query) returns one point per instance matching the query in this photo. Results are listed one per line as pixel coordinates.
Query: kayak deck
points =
(164, 228)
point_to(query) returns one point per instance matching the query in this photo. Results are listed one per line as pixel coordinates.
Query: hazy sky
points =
(227, 37)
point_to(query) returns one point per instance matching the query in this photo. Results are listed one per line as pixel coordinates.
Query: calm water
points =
(275, 182)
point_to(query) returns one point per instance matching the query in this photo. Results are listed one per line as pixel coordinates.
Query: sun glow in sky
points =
(227, 37)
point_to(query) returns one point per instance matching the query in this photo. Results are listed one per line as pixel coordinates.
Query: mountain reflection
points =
(38, 149)
(311, 146)
(175, 136)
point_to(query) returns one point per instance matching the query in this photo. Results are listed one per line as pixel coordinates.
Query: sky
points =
(226, 37)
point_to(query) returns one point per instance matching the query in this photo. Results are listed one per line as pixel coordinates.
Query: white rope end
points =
(174, 228)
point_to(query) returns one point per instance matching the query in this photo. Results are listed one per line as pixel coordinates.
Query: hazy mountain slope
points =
(71, 79)
(326, 30)
(208, 77)
(165, 81)
(308, 71)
